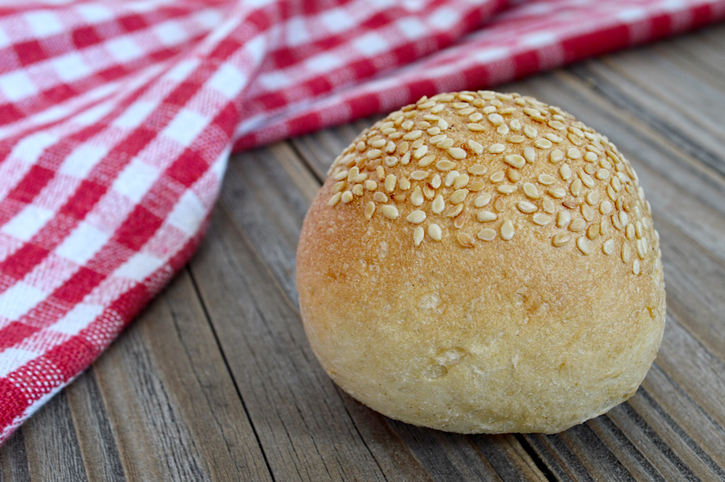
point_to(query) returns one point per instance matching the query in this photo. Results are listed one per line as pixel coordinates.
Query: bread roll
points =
(482, 263)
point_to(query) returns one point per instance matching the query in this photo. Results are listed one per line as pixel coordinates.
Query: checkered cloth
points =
(117, 119)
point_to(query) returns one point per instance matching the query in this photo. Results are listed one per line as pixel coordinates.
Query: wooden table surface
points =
(216, 380)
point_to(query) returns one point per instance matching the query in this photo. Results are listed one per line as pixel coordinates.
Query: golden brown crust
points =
(517, 296)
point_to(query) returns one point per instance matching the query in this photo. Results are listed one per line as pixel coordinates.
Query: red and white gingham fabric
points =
(117, 119)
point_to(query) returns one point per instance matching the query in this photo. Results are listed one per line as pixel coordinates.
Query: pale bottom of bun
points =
(473, 387)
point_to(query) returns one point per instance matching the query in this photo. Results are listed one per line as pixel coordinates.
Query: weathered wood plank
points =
(174, 408)
(14, 459)
(51, 443)
(93, 429)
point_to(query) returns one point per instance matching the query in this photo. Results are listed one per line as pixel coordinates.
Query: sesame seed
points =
(390, 181)
(346, 197)
(455, 211)
(630, 231)
(458, 196)
(435, 232)
(507, 111)
(451, 177)
(623, 218)
(433, 131)
(626, 253)
(576, 187)
(420, 152)
(413, 135)
(477, 170)
(360, 146)
(477, 185)
(427, 160)
(438, 138)
(590, 157)
(340, 175)
(531, 191)
(437, 108)
(638, 229)
(575, 139)
(460, 105)
(557, 192)
(334, 199)
(642, 247)
(390, 212)
(486, 234)
(465, 240)
(360, 177)
(592, 198)
(490, 109)
(542, 143)
(593, 232)
(527, 207)
(446, 97)
(461, 181)
(586, 179)
(608, 246)
(531, 112)
(339, 186)
(457, 153)
(357, 190)
(549, 206)
(391, 161)
(515, 139)
(377, 143)
(408, 125)
(486, 216)
(506, 189)
(503, 129)
(442, 124)
(416, 217)
(563, 219)
(475, 117)
(466, 111)
(473, 127)
(507, 230)
(584, 245)
(602, 174)
(427, 105)
(445, 165)
(417, 197)
(495, 119)
(419, 175)
(380, 197)
(554, 138)
(445, 144)
(475, 146)
(405, 159)
(496, 148)
(435, 183)
(573, 153)
(404, 184)
(530, 132)
(565, 172)
(515, 125)
(560, 240)
(587, 212)
(497, 176)
(482, 200)
(616, 184)
(513, 175)
(515, 160)
(438, 204)
(369, 210)
(579, 224)
(635, 267)
(546, 179)
(529, 154)
(541, 219)
(556, 155)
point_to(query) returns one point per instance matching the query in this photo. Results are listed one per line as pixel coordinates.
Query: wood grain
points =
(216, 381)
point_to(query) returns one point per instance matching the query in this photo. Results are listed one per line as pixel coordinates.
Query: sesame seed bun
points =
(482, 263)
